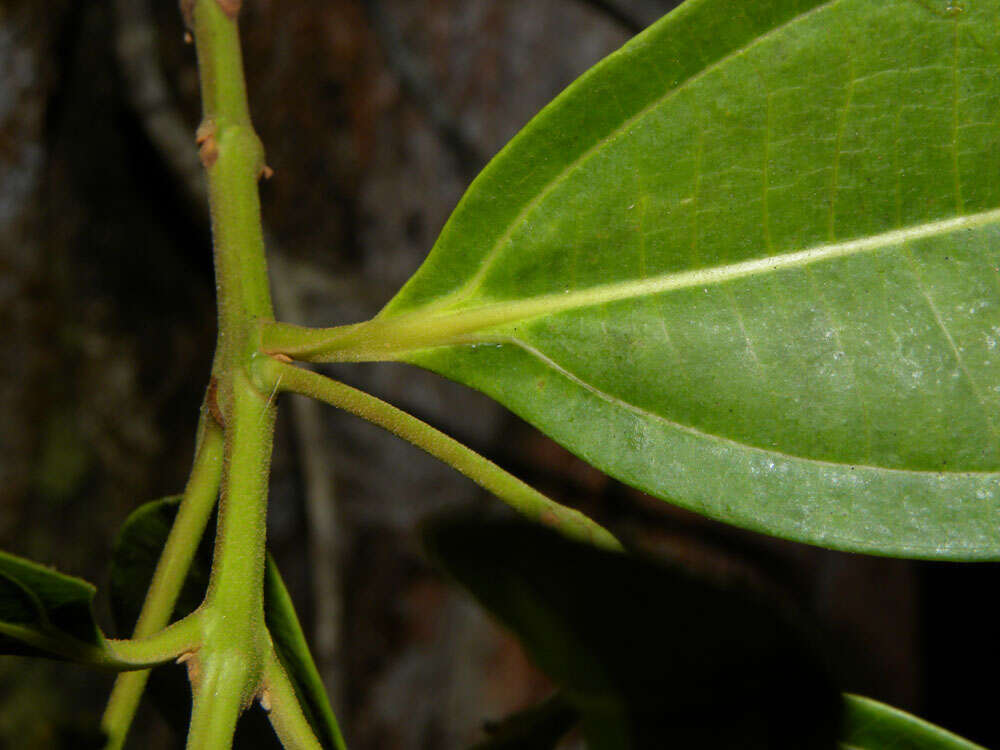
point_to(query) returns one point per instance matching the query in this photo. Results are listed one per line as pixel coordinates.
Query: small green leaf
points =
(870, 725)
(645, 650)
(749, 264)
(137, 551)
(47, 613)
(537, 728)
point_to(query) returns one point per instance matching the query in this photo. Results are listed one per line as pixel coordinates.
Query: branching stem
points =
(225, 644)
(228, 644)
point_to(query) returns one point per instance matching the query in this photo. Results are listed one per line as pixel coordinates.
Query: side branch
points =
(117, 655)
(166, 645)
(520, 496)
(178, 552)
(279, 700)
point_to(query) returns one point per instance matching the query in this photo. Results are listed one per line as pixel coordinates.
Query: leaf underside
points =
(647, 653)
(39, 606)
(750, 264)
(650, 654)
(870, 725)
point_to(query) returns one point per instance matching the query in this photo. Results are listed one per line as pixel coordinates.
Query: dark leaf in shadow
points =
(650, 654)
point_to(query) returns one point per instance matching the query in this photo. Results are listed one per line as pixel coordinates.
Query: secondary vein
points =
(487, 260)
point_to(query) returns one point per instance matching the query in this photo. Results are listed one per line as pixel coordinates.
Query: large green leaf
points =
(749, 264)
(137, 551)
(870, 725)
(47, 613)
(649, 654)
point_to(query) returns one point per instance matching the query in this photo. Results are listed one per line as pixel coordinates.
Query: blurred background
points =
(376, 114)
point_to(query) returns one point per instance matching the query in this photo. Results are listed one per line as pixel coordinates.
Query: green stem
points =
(214, 713)
(163, 646)
(178, 552)
(233, 157)
(522, 497)
(227, 669)
(239, 541)
(280, 701)
(113, 654)
(235, 643)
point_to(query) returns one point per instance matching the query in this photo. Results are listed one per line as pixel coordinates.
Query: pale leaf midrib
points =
(425, 328)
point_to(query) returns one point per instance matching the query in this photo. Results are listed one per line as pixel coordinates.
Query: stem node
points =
(231, 7)
(208, 149)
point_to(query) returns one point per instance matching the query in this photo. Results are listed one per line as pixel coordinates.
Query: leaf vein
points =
(491, 314)
(646, 414)
(956, 353)
(487, 261)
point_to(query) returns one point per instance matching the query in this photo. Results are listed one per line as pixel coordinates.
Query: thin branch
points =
(214, 712)
(286, 635)
(279, 700)
(163, 646)
(117, 655)
(171, 571)
(520, 496)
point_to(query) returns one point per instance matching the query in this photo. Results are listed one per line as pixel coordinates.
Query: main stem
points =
(228, 652)
(226, 673)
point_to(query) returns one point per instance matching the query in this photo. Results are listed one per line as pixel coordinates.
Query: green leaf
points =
(537, 728)
(870, 725)
(749, 264)
(644, 650)
(136, 553)
(293, 651)
(47, 613)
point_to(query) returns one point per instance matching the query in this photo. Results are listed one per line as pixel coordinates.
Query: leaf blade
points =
(293, 651)
(524, 164)
(47, 613)
(762, 285)
(645, 651)
(870, 725)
